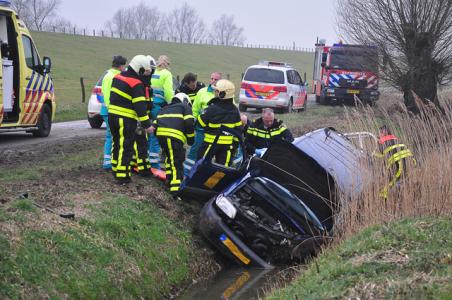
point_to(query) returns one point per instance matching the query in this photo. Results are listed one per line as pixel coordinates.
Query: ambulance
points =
(27, 100)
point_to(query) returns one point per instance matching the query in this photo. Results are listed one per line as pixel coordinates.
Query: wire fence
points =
(111, 34)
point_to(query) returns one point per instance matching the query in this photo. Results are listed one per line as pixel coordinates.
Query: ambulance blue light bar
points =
(6, 3)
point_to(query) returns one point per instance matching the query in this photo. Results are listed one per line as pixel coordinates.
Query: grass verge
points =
(409, 259)
(124, 248)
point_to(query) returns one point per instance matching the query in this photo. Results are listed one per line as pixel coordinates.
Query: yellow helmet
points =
(226, 89)
(142, 63)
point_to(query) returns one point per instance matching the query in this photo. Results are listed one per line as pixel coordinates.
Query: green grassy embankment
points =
(88, 57)
(410, 259)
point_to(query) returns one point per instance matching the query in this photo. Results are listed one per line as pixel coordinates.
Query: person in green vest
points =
(118, 65)
(200, 103)
(162, 94)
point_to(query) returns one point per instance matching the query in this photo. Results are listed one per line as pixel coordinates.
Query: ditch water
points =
(236, 283)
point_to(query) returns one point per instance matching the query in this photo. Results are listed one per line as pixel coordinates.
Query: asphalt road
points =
(64, 131)
(60, 132)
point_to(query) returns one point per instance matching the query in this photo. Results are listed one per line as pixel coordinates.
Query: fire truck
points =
(343, 71)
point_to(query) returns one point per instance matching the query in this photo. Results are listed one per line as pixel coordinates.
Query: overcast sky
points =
(279, 22)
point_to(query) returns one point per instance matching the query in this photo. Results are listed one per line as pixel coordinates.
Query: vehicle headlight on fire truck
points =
(226, 206)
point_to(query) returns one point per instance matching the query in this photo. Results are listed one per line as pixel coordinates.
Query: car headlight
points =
(226, 206)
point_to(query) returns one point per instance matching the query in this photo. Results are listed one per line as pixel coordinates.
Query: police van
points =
(27, 100)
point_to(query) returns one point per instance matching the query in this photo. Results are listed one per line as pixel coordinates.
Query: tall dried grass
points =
(426, 190)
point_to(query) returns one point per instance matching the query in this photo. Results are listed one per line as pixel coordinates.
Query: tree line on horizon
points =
(183, 24)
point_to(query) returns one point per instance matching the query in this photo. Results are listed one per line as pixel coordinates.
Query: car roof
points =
(280, 68)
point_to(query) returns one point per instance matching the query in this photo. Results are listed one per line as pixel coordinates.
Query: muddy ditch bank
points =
(72, 189)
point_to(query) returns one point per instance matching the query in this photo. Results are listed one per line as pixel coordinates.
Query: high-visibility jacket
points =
(175, 120)
(258, 137)
(395, 153)
(106, 85)
(202, 99)
(220, 112)
(128, 98)
(162, 86)
(190, 93)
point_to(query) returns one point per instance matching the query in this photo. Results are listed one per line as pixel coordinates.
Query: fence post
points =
(228, 76)
(74, 30)
(84, 32)
(94, 32)
(64, 29)
(82, 85)
(305, 77)
(54, 28)
(102, 33)
(111, 33)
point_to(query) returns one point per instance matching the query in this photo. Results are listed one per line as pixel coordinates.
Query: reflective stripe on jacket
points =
(175, 120)
(128, 98)
(221, 112)
(258, 137)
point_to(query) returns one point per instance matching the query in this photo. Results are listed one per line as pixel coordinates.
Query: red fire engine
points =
(342, 71)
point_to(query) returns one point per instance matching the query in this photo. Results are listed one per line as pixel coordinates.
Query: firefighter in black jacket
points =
(265, 130)
(174, 127)
(190, 86)
(128, 106)
(220, 112)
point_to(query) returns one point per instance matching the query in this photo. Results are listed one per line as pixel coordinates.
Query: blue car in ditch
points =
(280, 207)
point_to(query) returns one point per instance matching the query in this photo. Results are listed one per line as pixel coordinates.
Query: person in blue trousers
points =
(118, 65)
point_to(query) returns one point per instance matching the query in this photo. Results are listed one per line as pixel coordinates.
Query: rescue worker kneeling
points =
(174, 126)
(128, 105)
(220, 112)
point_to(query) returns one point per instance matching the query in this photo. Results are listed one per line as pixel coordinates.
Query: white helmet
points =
(183, 98)
(142, 63)
(226, 89)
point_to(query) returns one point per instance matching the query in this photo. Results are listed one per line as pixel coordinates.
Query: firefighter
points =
(117, 66)
(128, 106)
(220, 112)
(200, 103)
(264, 131)
(162, 87)
(396, 155)
(174, 127)
(190, 86)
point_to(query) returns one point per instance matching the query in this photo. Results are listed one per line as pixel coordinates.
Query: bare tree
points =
(156, 25)
(225, 31)
(184, 24)
(123, 23)
(58, 25)
(23, 10)
(41, 11)
(414, 38)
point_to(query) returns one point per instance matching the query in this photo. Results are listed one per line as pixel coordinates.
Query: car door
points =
(35, 82)
(300, 90)
(208, 178)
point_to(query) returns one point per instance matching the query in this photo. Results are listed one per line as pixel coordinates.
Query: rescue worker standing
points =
(264, 131)
(162, 87)
(128, 106)
(117, 66)
(200, 103)
(395, 154)
(190, 86)
(220, 112)
(174, 128)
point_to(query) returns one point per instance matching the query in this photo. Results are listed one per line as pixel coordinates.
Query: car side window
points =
(297, 78)
(31, 56)
(290, 77)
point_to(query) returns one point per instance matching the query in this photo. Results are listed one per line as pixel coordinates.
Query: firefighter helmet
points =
(225, 88)
(142, 63)
(183, 98)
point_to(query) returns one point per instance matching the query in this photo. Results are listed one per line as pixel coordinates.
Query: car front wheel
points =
(44, 123)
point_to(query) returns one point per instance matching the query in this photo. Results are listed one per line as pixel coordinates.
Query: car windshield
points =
(264, 75)
(360, 59)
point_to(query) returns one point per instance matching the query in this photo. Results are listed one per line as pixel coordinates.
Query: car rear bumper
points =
(261, 103)
(216, 231)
